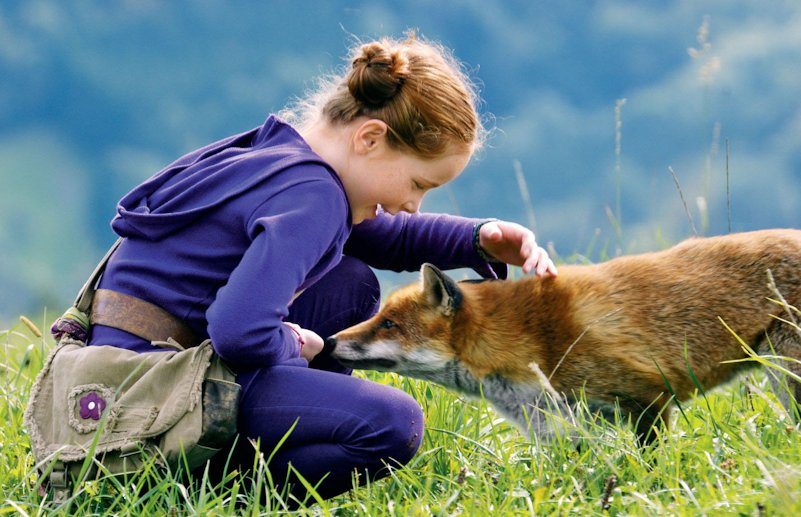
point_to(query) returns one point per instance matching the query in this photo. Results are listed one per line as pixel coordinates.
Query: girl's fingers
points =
(540, 262)
(552, 268)
(532, 261)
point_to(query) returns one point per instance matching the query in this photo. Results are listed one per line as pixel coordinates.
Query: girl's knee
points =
(366, 288)
(402, 422)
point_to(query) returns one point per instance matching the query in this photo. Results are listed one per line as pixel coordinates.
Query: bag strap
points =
(128, 313)
(83, 302)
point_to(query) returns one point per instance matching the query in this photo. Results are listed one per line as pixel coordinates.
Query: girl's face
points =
(395, 180)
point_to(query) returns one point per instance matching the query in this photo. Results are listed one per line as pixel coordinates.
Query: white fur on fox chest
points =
(521, 403)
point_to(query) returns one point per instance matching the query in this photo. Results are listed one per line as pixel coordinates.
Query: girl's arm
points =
(295, 235)
(403, 242)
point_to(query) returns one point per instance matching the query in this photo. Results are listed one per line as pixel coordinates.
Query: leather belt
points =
(140, 318)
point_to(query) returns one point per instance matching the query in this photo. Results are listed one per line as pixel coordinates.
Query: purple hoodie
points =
(225, 236)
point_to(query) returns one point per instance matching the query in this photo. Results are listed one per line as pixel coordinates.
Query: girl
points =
(263, 242)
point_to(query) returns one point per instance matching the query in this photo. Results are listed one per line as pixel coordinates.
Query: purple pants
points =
(345, 425)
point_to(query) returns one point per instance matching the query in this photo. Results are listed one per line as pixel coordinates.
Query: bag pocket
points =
(219, 420)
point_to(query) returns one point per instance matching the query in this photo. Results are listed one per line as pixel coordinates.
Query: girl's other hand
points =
(312, 342)
(515, 244)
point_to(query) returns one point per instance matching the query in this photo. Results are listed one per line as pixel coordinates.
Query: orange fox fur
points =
(617, 329)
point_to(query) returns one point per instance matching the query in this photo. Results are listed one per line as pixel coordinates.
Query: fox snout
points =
(353, 354)
(329, 345)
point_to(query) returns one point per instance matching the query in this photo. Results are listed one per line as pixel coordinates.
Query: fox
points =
(637, 333)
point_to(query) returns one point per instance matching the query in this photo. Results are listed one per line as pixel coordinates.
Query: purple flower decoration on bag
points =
(92, 406)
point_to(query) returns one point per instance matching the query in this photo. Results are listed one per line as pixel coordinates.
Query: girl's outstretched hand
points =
(515, 244)
(312, 342)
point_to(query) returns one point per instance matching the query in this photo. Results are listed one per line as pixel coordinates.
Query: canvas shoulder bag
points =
(102, 410)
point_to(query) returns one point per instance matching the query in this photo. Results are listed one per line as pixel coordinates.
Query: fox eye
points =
(387, 324)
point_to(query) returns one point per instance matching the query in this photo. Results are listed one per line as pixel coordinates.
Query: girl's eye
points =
(417, 185)
(387, 324)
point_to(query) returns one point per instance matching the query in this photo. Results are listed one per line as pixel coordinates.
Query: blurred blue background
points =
(97, 96)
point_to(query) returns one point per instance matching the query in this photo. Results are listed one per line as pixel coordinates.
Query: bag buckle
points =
(59, 482)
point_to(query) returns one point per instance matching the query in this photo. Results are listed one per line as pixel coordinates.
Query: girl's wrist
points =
(477, 241)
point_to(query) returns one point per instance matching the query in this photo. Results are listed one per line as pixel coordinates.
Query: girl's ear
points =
(369, 136)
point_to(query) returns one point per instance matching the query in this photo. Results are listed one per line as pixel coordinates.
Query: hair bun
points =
(377, 75)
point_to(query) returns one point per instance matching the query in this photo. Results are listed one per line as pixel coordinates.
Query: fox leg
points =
(646, 425)
(543, 419)
(784, 340)
(646, 417)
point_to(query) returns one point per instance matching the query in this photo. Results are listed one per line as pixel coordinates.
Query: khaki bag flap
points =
(131, 397)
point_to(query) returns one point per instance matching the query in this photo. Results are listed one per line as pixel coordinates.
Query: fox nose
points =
(328, 345)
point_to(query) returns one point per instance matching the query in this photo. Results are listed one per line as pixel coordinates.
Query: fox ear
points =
(440, 290)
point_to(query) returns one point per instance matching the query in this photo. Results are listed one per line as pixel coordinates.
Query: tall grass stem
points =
(618, 154)
(728, 191)
(525, 195)
(681, 194)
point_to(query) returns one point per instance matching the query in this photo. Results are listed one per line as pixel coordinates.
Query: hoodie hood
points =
(208, 177)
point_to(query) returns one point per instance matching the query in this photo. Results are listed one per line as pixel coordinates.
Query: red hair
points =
(416, 87)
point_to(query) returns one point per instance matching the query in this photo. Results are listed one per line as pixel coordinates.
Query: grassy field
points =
(732, 452)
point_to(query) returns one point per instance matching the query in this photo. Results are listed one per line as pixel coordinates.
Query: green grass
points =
(735, 451)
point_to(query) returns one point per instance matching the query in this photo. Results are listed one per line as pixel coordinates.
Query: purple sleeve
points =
(291, 233)
(403, 242)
